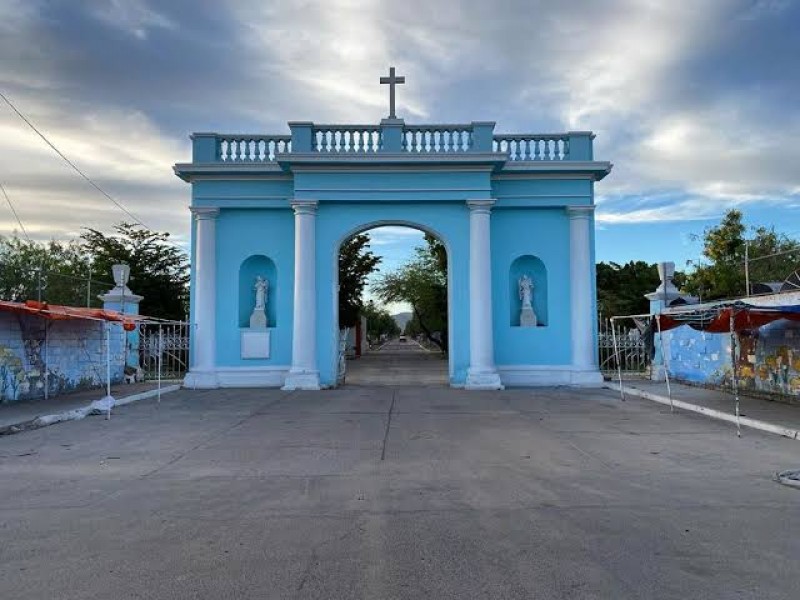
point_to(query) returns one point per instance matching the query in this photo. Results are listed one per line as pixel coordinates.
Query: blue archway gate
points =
(420, 224)
(504, 205)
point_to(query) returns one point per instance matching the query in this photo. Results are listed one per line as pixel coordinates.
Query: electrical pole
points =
(747, 267)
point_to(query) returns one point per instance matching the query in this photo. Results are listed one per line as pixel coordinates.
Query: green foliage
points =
(621, 288)
(356, 263)
(59, 270)
(724, 247)
(422, 283)
(379, 322)
(159, 271)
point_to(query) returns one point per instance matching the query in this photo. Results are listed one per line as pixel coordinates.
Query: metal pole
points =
(664, 360)
(735, 382)
(89, 289)
(616, 355)
(160, 352)
(46, 374)
(747, 267)
(108, 368)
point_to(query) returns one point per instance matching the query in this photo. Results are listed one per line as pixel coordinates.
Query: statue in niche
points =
(258, 318)
(527, 318)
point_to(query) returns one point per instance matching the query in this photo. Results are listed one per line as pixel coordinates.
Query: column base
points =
(483, 379)
(300, 379)
(201, 380)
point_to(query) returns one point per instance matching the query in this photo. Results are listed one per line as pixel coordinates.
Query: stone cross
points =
(392, 81)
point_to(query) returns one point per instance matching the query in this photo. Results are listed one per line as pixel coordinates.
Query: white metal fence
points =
(164, 349)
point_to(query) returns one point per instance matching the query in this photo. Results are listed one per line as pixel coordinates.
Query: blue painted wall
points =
(545, 235)
(242, 233)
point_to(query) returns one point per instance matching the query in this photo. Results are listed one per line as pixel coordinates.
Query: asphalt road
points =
(387, 493)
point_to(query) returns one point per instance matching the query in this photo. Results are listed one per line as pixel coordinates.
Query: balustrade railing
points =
(437, 138)
(346, 138)
(533, 146)
(309, 137)
(252, 148)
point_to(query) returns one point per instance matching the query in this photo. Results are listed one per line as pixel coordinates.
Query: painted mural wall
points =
(72, 358)
(768, 358)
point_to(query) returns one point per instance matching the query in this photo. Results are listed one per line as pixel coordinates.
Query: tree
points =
(422, 283)
(356, 263)
(159, 270)
(772, 257)
(621, 288)
(55, 272)
(379, 322)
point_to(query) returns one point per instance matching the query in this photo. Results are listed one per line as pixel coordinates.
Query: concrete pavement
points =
(406, 492)
(400, 364)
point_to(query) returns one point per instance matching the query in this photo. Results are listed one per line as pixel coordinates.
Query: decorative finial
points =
(392, 81)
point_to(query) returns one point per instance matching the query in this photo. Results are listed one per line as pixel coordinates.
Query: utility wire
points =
(13, 210)
(71, 164)
(775, 254)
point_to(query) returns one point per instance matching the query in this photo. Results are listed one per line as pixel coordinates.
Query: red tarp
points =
(60, 313)
(719, 321)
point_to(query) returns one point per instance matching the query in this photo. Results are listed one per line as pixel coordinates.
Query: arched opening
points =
(528, 281)
(391, 299)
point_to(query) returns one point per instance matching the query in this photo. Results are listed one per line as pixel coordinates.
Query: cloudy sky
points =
(695, 103)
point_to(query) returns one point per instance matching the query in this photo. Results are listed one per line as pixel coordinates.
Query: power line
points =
(13, 210)
(71, 164)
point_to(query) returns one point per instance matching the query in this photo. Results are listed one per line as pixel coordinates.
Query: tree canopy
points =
(159, 271)
(356, 263)
(621, 288)
(772, 257)
(379, 322)
(422, 283)
(55, 272)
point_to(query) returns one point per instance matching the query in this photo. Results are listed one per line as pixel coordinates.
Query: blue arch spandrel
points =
(251, 268)
(533, 267)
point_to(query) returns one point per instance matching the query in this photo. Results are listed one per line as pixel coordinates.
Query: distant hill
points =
(401, 319)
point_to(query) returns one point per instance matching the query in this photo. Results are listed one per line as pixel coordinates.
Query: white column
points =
(482, 373)
(202, 373)
(584, 345)
(304, 374)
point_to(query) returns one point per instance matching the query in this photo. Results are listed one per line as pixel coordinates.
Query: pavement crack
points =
(388, 425)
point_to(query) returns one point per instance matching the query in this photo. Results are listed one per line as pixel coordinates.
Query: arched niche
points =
(249, 270)
(534, 268)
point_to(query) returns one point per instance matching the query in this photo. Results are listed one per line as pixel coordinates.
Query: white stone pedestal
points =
(258, 320)
(527, 318)
(255, 343)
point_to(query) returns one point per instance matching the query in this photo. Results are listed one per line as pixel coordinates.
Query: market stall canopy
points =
(57, 312)
(717, 319)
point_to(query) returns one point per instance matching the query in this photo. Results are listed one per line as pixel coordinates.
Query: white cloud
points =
(134, 17)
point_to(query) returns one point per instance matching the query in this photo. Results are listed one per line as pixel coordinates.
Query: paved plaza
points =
(397, 492)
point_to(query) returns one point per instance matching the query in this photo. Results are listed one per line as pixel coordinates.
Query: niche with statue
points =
(257, 281)
(528, 292)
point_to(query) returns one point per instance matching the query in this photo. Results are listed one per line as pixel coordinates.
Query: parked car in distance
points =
(402, 338)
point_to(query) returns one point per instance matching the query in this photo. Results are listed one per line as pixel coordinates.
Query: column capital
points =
(204, 212)
(304, 207)
(580, 212)
(480, 206)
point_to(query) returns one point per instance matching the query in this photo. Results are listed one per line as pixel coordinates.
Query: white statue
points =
(261, 287)
(527, 318)
(525, 290)
(258, 318)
